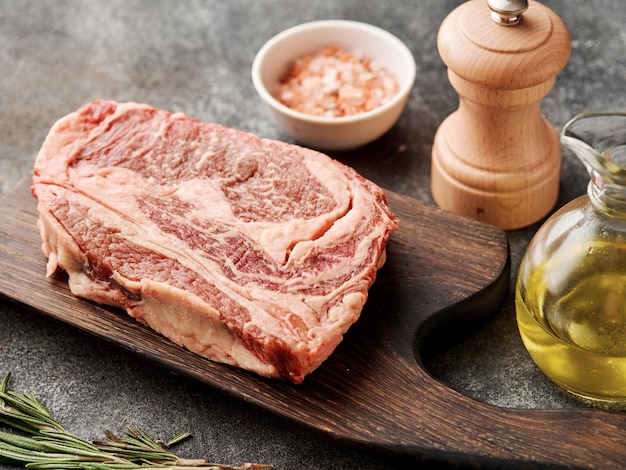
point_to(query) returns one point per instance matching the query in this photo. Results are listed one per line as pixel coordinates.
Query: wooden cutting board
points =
(444, 274)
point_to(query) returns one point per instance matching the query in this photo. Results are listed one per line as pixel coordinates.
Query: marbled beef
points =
(244, 250)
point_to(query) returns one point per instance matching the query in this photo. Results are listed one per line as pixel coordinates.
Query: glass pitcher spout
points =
(599, 141)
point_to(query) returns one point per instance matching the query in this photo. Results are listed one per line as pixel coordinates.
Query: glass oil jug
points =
(571, 287)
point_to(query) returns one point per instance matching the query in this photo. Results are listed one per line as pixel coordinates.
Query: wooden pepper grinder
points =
(496, 158)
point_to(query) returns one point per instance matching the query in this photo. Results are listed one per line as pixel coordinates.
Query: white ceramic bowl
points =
(277, 56)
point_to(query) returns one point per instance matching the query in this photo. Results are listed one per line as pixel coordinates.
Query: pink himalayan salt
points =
(335, 83)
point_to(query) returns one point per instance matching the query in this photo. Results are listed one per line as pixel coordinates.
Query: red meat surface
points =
(247, 251)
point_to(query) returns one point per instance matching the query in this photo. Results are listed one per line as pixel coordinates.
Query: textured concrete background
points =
(195, 56)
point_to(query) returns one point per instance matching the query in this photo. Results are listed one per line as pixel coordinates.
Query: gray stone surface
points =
(195, 56)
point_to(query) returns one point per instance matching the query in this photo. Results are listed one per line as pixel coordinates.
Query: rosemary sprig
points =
(43, 443)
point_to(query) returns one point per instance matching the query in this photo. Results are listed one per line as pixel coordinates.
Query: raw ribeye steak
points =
(247, 251)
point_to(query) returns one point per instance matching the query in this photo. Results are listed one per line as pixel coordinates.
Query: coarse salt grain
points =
(334, 83)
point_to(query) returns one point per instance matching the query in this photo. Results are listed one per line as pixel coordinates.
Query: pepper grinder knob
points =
(496, 159)
(507, 12)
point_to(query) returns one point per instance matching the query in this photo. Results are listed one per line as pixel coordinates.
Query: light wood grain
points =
(496, 158)
(444, 276)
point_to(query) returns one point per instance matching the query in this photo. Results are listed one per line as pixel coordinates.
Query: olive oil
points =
(571, 313)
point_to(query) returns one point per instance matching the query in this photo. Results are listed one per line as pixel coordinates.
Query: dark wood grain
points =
(444, 275)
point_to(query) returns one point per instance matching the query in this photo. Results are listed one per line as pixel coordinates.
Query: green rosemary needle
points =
(43, 443)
